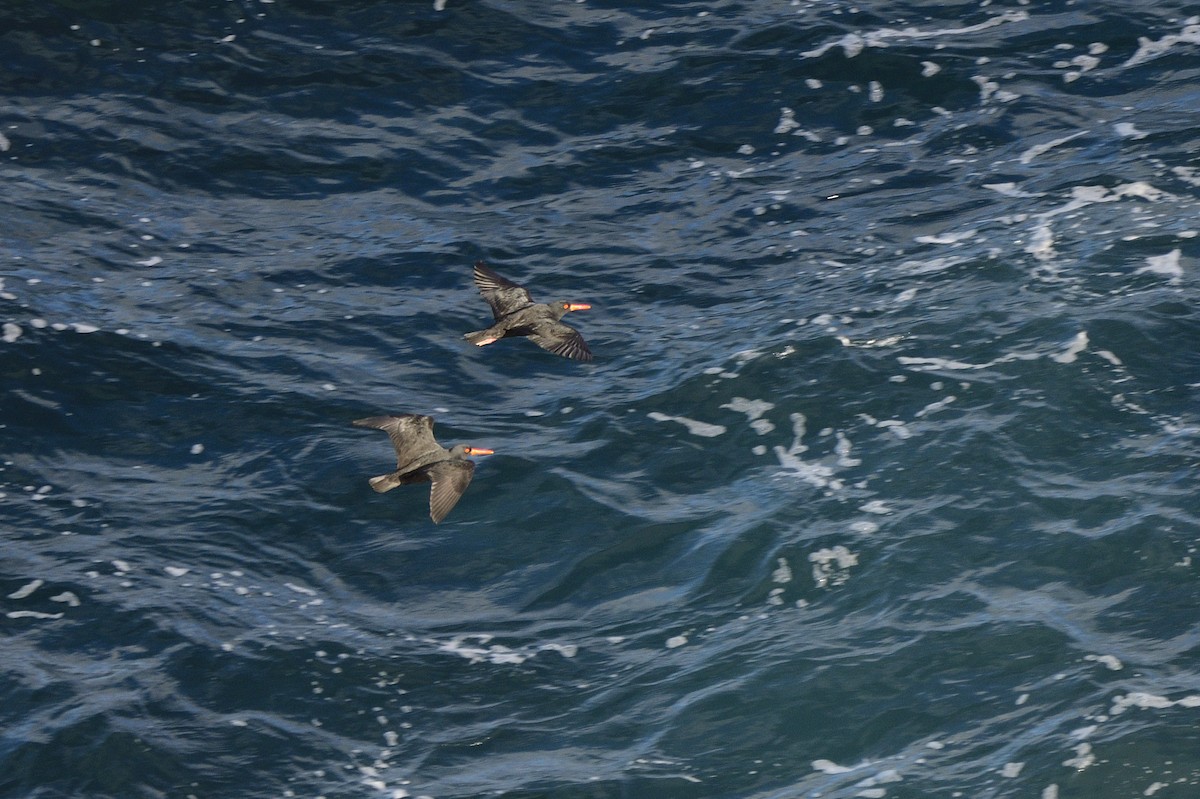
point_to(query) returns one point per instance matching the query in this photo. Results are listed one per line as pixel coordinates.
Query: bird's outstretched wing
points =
(562, 340)
(448, 480)
(411, 435)
(501, 293)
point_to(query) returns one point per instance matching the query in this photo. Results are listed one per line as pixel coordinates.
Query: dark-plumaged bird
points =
(420, 459)
(518, 315)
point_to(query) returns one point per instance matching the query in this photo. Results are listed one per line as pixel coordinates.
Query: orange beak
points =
(480, 451)
(577, 306)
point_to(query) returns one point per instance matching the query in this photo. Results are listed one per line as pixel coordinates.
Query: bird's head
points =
(565, 306)
(462, 449)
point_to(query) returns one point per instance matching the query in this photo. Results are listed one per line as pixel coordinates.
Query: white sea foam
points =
(1166, 264)
(1141, 699)
(829, 767)
(754, 409)
(1038, 150)
(1127, 130)
(842, 448)
(27, 589)
(814, 473)
(896, 427)
(1074, 347)
(871, 343)
(1083, 757)
(482, 653)
(1111, 662)
(1188, 174)
(853, 43)
(478, 648)
(831, 566)
(1041, 237)
(566, 650)
(1010, 190)
(11, 332)
(782, 573)
(990, 90)
(696, 428)
(1077, 345)
(883, 778)
(1153, 48)
(934, 407)
(948, 238)
(928, 364)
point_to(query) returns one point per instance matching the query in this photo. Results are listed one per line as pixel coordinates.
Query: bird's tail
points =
(384, 482)
(480, 337)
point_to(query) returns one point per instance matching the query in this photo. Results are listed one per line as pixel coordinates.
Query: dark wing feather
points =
(503, 295)
(449, 479)
(411, 435)
(562, 340)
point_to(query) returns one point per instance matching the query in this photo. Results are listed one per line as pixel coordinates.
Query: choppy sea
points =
(881, 484)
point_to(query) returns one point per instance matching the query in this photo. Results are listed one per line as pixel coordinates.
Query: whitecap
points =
(1128, 130)
(1166, 264)
(1076, 346)
(1041, 149)
(829, 767)
(1153, 48)
(1111, 662)
(27, 589)
(696, 428)
(782, 573)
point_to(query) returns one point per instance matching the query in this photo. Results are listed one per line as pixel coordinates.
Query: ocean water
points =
(881, 484)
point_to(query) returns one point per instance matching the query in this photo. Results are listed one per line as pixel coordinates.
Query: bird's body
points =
(420, 459)
(516, 314)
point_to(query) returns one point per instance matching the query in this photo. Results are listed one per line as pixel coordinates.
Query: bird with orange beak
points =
(420, 459)
(516, 314)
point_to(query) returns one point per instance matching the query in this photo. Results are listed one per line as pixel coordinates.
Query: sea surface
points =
(882, 482)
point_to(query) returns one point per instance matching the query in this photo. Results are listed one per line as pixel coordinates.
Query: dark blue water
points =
(881, 483)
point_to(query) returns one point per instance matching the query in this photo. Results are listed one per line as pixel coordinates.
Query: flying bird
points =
(420, 459)
(518, 315)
